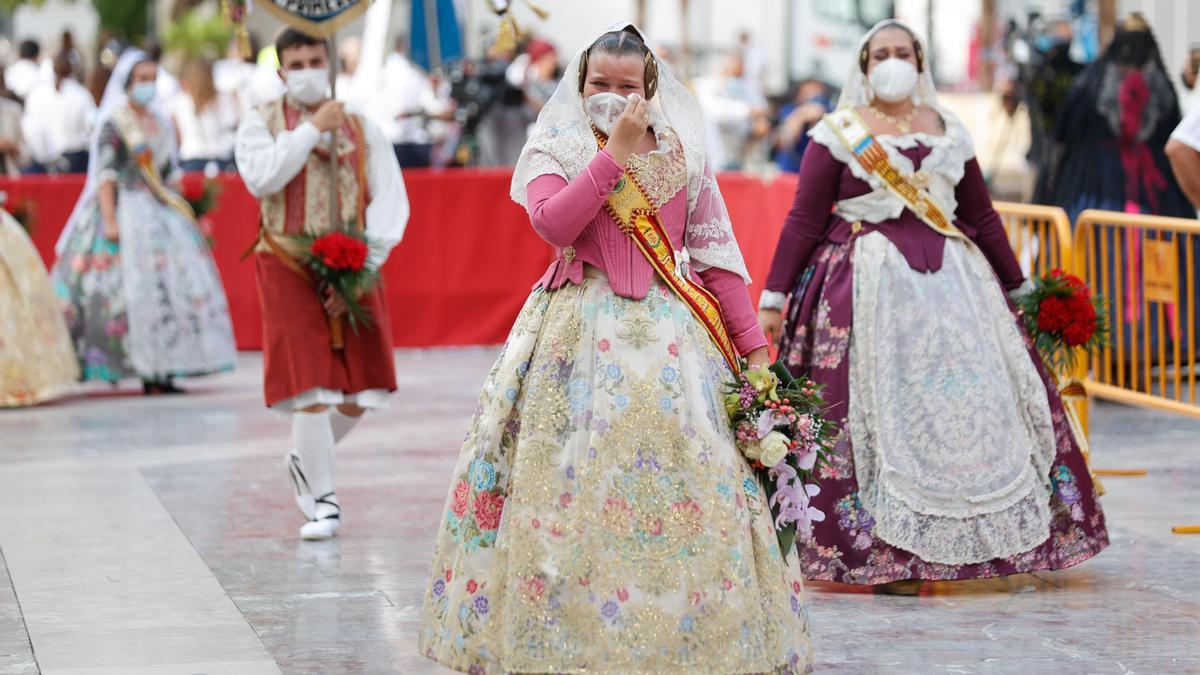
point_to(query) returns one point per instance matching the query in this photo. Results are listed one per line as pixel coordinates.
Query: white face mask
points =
(893, 80)
(604, 109)
(309, 85)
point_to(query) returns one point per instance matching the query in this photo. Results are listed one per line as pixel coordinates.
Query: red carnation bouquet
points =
(1061, 314)
(339, 260)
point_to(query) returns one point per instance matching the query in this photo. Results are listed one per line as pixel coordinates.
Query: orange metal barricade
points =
(1040, 236)
(1145, 267)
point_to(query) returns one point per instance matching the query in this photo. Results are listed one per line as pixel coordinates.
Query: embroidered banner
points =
(318, 18)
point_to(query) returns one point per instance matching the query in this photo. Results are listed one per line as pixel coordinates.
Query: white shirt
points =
(267, 164)
(407, 94)
(22, 76)
(168, 88)
(1188, 131)
(58, 120)
(209, 134)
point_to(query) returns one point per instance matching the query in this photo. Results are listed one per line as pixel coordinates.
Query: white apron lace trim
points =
(944, 167)
(953, 438)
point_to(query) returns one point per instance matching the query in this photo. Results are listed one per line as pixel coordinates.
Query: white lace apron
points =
(953, 437)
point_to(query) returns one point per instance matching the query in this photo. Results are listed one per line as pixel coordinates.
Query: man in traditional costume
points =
(283, 154)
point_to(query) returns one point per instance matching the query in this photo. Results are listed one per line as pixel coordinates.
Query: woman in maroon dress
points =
(955, 459)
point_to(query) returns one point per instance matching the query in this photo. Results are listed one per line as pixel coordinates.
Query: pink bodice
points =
(570, 216)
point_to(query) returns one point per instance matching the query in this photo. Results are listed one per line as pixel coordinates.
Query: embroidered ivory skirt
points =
(37, 362)
(600, 518)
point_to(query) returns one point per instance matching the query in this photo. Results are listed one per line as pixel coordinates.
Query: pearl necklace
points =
(904, 124)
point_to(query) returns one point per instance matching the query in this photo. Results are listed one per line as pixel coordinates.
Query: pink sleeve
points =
(560, 210)
(740, 319)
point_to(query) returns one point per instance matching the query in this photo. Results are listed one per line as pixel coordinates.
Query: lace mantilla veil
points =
(857, 90)
(562, 144)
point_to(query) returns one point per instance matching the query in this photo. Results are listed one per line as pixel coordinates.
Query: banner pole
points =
(334, 212)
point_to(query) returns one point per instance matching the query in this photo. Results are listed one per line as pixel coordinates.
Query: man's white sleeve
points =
(387, 214)
(268, 163)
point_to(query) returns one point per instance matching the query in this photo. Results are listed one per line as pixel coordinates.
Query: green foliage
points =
(125, 19)
(10, 5)
(198, 34)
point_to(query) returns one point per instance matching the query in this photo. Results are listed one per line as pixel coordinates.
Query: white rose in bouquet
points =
(773, 449)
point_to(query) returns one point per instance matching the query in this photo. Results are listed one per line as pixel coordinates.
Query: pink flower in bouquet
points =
(806, 456)
(747, 432)
(769, 420)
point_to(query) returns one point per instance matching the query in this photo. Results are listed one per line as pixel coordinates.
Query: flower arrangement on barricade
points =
(1061, 315)
(339, 260)
(779, 425)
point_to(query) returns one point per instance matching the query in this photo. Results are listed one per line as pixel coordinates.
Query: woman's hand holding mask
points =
(629, 129)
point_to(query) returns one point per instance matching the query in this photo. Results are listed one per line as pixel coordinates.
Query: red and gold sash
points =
(637, 217)
(139, 148)
(856, 136)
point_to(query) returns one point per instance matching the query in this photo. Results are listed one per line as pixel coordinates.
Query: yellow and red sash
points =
(139, 148)
(856, 136)
(637, 217)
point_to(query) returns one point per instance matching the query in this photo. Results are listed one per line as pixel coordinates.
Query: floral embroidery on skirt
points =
(151, 305)
(844, 547)
(600, 517)
(37, 362)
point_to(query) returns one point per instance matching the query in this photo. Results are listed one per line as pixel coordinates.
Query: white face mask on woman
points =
(143, 92)
(309, 85)
(893, 80)
(604, 109)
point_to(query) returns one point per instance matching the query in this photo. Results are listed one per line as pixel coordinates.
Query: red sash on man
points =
(297, 352)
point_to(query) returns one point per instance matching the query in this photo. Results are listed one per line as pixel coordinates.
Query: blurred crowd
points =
(1100, 119)
(477, 112)
(466, 113)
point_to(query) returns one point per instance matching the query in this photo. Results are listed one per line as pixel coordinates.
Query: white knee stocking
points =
(341, 423)
(312, 435)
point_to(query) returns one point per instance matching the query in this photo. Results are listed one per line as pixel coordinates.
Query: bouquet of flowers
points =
(780, 428)
(201, 194)
(339, 260)
(21, 211)
(1061, 314)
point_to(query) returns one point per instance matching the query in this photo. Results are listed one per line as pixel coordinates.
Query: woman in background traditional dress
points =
(601, 518)
(956, 460)
(134, 275)
(1113, 131)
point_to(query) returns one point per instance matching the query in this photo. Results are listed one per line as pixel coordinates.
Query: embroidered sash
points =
(139, 148)
(856, 136)
(637, 217)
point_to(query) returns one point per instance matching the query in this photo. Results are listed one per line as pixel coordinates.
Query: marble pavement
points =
(157, 535)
